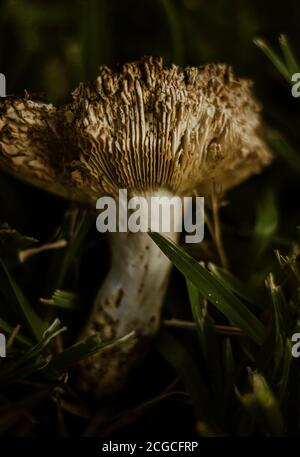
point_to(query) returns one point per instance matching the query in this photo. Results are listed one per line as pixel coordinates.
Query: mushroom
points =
(152, 131)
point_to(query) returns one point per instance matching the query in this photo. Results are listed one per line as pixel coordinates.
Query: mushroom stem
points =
(130, 299)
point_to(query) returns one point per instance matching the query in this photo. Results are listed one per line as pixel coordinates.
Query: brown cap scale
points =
(153, 131)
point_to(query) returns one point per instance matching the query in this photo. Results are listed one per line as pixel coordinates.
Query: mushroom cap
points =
(141, 127)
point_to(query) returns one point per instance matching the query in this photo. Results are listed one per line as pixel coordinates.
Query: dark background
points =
(47, 47)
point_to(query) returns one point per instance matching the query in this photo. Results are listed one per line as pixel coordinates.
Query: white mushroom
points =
(153, 131)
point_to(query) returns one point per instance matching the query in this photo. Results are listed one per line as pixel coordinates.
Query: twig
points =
(26, 253)
(12, 337)
(188, 325)
(217, 229)
(209, 226)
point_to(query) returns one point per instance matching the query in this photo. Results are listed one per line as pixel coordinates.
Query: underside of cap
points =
(141, 127)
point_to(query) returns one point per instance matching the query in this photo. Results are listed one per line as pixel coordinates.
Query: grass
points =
(262, 385)
(222, 363)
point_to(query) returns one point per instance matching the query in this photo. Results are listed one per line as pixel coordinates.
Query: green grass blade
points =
(286, 369)
(285, 150)
(183, 363)
(228, 378)
(84, 349)
(75, 243)
(281, 320)
(224, 300)
(237, 286)
(263, 405)
(274, 58)
(30, 318)
(94, 38)
(62, 299)
(31, 360)
(266, 223)
(75, 227)
(175, 31)
(208, 341)
(289, 56)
